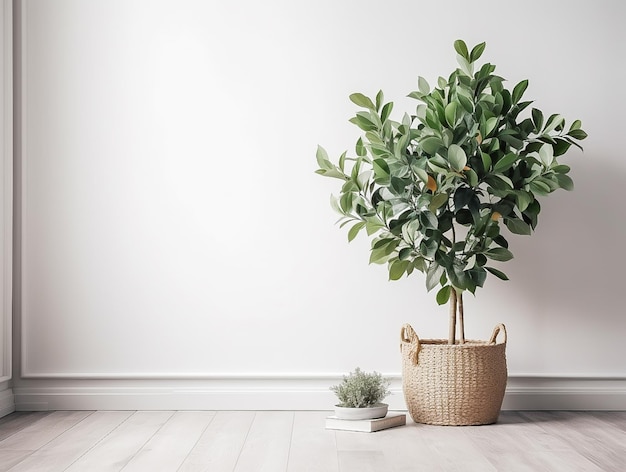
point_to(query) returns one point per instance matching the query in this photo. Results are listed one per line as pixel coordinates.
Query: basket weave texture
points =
(460, 384)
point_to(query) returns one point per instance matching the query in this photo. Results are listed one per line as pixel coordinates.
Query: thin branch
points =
(452, 331)
(461, 319)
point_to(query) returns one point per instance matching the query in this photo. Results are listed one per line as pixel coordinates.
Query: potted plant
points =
(435, 190)
(360, 396)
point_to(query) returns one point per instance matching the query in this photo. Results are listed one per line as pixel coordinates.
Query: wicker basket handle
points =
(496, 331)
(409, 336)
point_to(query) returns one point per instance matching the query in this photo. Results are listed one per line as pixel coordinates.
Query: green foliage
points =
(361, 390)
(436, 189)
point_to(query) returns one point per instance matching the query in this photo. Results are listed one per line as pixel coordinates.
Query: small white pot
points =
(377, 411)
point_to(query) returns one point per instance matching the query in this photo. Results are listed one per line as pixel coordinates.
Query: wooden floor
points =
(273, 441)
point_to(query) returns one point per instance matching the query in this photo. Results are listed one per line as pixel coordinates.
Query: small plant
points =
(361, 390)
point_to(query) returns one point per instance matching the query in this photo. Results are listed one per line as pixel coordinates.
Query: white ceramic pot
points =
(377, 411)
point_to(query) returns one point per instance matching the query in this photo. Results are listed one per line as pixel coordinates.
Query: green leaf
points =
(437, 201)
(386, 111)
(423, 86)
(577, 124)
(561, 147)
(546, 154)
(499, 254)
(462, 197)
(554, 121)
(466, 67)
(380, 254)
(381, 243)
(490, 125)
(345, 202)
(505, 162)
(355, 230)
(578, 134)
(457, 157)
(539, 187)
(478, 276)
(461, 48)
(381, 168)
(380, 97)
(537, 118)
(512, 141)
(428, 247)
(342, 161)
(466, 103)
(450, 112)
(397, 268)
(373, 226)
(405, 253)
(363, 122)
(477, 51)
(322, 158)
(472, 177)
(501, 275)
(431, 144)
(517, 226)
(565, 182)
(522, 199)
(486, 158)
(336, 173)
(519, 90)
(561, 168)
(363, 179)
(361, 100)
(428, 219)
(443, 295)
(433, 275)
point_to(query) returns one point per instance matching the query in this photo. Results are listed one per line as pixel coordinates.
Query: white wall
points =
(172, 226)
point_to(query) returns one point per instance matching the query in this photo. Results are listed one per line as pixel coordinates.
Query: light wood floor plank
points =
(10, 458)
(220, 445)
(404, 448)
(62, 451)
(453, 449)
(119, 447)
(43, 431)
(169, 447)
(313, 448)
(25, 433)
(407, 449)
(594, 440)
(267, 446)
(363, 461)
(518, 445)
(15, 422)
(614, 418)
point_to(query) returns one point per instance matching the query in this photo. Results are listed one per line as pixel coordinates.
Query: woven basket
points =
(460, 384)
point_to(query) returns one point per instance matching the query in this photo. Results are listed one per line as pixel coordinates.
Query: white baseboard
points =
(297, 392)
(565, 393)
(7, 402)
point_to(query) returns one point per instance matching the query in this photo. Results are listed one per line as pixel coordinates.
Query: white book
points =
(367, 426)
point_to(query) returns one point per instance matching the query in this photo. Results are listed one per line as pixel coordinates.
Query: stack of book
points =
(366, 426)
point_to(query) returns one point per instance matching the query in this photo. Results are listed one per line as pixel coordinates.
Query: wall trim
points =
(6, 201)
(289, 392)
(7, 401)
(266, 376)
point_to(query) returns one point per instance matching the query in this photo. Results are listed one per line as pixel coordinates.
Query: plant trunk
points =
(453, 307)
(461, 319)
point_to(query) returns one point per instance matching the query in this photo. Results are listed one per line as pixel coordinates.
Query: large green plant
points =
(435, 189)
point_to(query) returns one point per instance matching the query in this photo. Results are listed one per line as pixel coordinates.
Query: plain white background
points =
(172, 222)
